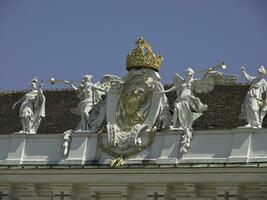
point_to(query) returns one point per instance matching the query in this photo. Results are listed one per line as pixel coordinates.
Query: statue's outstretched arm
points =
(246, 75)
(170, 90)
(18, 102)
(177, 82)
(71, 85)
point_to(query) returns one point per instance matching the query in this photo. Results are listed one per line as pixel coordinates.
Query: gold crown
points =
(143, 56)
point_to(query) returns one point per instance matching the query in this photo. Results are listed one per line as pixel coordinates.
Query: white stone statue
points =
(32, 108)
(254, 107)
(186, 102)
(188, 107)
(92, 106)
(89, 95)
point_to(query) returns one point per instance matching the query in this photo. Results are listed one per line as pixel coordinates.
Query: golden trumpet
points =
(53, 81)
(220, 66)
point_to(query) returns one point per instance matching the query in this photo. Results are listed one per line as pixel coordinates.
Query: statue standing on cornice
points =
(89, 95)
(185, 102)
(91, 107)
(254, 107)
(32, 108)
(188, 107)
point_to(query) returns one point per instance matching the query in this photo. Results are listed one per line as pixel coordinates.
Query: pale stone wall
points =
(208, 147)
(220, 165)
(187, 183)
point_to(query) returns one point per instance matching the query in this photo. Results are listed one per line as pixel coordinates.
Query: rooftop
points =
(224, 106)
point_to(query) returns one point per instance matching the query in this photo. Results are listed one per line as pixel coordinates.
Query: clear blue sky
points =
(69, 38)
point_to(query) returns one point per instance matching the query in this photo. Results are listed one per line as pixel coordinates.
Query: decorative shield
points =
(132, 108)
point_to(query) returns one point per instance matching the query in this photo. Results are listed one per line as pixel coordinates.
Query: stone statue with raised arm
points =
(186, 104)
(32, 108)
(89, 95)
(254, 107)
(188, 107)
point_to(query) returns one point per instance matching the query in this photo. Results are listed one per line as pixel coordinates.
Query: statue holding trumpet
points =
(89, 95)
(188, 107)
(254, 107)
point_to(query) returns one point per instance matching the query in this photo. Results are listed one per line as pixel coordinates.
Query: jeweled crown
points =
(143, 56)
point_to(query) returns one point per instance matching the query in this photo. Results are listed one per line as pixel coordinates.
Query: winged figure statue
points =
(188, 107)
(90, 95)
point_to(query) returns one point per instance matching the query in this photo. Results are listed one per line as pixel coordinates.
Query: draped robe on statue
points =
(32, 109)
(184, 104)
(252, 109)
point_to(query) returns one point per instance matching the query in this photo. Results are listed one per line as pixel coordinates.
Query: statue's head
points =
(189, 72)
(33, 83)
(87, 79)
(261, 71)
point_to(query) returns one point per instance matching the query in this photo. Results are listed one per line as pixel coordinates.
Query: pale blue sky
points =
(69, 38)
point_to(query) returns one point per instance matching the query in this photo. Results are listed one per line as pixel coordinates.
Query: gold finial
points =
(143, 56)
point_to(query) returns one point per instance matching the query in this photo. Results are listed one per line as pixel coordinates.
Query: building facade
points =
(135, 138)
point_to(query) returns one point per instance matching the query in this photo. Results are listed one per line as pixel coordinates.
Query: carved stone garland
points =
(119, 157)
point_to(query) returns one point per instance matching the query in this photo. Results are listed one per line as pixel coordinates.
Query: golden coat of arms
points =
(135, 104)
